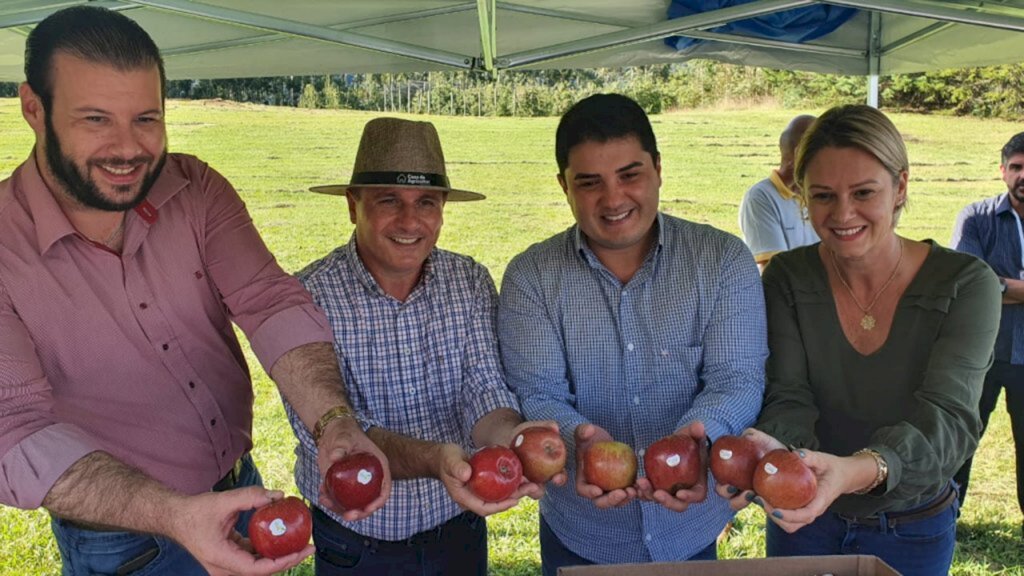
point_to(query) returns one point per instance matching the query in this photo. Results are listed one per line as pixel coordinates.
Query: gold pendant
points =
(867, 322)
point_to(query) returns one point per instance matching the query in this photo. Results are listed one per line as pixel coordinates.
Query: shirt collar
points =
(780, 186)
(580, 245)
(1004, 205)
(50, 221)
(370, 283)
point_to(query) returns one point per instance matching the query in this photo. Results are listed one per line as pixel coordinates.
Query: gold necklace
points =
(868, 322)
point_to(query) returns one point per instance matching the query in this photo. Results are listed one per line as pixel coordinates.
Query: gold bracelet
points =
(880, 476)
(339, 411)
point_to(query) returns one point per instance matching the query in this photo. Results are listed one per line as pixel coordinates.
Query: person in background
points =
(414, 332)
(878, 348)
(772, 216)
(630, 325)
(991, 230)
(125, 398)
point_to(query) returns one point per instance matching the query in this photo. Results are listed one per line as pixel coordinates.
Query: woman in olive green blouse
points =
(879, 345)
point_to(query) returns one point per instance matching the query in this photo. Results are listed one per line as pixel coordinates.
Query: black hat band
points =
(400, 179)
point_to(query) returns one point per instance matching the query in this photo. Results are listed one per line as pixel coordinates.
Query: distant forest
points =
(994, 91)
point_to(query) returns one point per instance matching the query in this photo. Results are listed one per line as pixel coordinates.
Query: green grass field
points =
(709, 158)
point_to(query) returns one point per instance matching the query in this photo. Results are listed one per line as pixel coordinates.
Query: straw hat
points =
(400, 153)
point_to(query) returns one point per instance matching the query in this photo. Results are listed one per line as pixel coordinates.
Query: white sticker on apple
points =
(770, 468)
(519, 441)
(725, 454)
(277, 527)
(673, 460)
(364, 476)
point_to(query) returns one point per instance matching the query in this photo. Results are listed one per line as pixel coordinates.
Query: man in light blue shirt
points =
(772, 217)
(414, 334)
(631, 325)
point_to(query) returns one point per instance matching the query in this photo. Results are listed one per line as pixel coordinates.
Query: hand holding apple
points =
(340, 438)
(203, 525)
(497, 473)
(586, 435)
(542, 453)
(739, 499)
(454, 471)
(676, 469)
(355, 480)
(784, 481)
(733, 461)
(835, 476)
(281, 528)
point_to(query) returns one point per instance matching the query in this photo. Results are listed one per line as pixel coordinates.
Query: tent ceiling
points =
(244, 38)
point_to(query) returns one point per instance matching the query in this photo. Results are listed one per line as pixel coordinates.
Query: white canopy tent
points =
(247, 38)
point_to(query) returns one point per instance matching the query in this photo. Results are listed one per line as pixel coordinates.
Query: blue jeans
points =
(101, 553)
(916, 548)
(459, 546)
(554, 554)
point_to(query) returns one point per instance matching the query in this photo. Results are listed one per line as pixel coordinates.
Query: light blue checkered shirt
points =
(683, 340)
(426, 368)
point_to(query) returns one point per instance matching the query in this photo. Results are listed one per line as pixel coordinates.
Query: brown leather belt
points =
(892, 519)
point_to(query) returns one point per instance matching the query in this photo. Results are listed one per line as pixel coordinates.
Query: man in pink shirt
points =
(125, 399)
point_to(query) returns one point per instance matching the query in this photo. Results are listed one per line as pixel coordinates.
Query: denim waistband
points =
(933, 507)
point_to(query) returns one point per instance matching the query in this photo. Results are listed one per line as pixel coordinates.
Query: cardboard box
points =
(795, 566)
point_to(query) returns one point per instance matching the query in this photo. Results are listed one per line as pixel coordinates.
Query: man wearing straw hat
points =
(414, 333)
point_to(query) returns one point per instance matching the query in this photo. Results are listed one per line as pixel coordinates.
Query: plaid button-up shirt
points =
(426, 368)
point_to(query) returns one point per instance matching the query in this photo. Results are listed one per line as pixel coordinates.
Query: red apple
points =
(673, 463)
(497, 473)
(541, 451)
(280, 528)
(784, 481)
(609, 465)
(733, 460)
(354, 481)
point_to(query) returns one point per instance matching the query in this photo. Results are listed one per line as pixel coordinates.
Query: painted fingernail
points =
(758, 501)
(801, 453)
(749, 496)
(731, 489)
(777, 514)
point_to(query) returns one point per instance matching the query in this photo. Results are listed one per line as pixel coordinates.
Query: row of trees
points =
(995, 91)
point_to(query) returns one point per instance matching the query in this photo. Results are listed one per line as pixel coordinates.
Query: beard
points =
(84, 189)
(1017, 191)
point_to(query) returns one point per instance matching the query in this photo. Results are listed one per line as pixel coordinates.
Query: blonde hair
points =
(854, 126)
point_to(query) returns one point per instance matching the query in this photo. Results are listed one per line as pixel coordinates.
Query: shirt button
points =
(629, 346)
(406, 351)
(213, 422)
(647, 537)
(165, 347)
(636, 400)
(191, 384)
(640, 452)
(143, 305)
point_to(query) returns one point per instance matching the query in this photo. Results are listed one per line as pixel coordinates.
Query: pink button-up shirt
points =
(134, 353)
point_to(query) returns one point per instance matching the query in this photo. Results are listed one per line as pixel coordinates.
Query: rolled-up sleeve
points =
(271, 307)
(35, 450)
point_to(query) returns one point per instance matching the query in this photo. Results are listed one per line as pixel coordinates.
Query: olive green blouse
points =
(914, 400)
